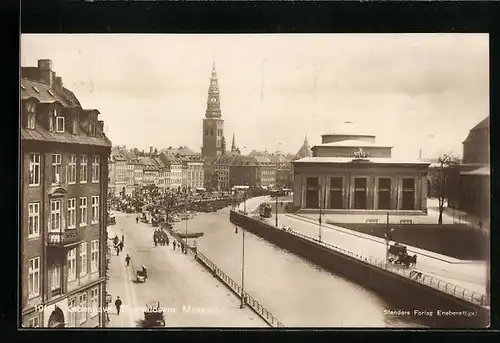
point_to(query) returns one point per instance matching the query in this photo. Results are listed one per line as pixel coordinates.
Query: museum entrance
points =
(360, 193)
(312, 191)
(408, 202)
(384, 194)
(336, 198)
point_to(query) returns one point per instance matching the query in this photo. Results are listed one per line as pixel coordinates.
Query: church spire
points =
(213, 102)
(233, 145)
(305, 140)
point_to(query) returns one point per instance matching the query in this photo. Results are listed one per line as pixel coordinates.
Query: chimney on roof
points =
(151, 149)
(100, 126)
(46, 75)
(58, 84)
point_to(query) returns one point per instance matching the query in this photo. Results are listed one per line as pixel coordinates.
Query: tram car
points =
(398, 254)
(265, 210)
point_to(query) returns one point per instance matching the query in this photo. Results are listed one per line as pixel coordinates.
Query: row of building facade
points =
(170, 170)
(183, 170)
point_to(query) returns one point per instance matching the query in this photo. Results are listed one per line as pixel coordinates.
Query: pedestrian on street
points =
(123, 238)
(174, 244)
(137, 220)
(118, 304)
(121, 246)
(127, 259)
(117, 250)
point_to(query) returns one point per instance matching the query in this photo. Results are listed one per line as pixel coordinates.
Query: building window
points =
(55, 278)
(95, 169)
(82, 303)
(33, 219)
(83, 259)
(94, 256)
(55, 216)
(336, 192)
(59, 124)
(72, 264)
(34, 277)
(72, 169)
(408, 200)
(360, 187)
(83, 169)
(384, 194)
(72, 312)
(34, 322)
(83, 211)
(71, 213)
(56, 168)
(31, 124)
(34, 177)
(94, 301)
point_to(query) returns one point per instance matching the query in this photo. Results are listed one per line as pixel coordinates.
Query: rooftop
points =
(349, 128)
(353, 143)
(372, 160)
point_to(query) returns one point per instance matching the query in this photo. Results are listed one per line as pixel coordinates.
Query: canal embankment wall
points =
(431, 306)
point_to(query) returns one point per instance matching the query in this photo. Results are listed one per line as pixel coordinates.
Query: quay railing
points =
(414, 275)
(247, 298)
(260, 310)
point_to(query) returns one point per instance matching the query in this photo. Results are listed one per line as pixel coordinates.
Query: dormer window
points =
(30, 108)
(59, 120)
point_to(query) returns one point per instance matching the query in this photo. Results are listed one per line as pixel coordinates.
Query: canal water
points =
(297, 292)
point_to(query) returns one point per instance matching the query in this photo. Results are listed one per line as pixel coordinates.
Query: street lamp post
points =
(319, 221)
(245, 202)
(242, 305)
(276, 209)
(388, 237)
(187, 219)
(243, 270)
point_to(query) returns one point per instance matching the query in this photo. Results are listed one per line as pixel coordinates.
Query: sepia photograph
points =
(254, 181)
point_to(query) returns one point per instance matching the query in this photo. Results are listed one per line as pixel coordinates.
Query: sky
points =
(416, 92)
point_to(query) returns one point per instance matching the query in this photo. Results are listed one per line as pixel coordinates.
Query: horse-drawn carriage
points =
(141, 275)
(153, 316)
(398, 254)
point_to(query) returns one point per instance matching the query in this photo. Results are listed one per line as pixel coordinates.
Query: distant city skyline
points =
(414, 91)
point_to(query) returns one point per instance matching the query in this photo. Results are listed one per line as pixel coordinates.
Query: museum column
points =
(423, 192)
(351, 192)
(303, 191)
(416, 201)
(394, 193)
(399, 192)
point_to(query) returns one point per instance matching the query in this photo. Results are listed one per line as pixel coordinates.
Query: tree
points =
(445, 180)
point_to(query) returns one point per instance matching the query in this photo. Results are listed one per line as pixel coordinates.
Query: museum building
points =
(350, 173)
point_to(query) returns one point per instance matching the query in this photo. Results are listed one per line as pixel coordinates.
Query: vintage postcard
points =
(244, 181)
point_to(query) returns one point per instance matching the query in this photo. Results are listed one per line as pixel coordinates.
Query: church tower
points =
(213, 125)
(233, 145)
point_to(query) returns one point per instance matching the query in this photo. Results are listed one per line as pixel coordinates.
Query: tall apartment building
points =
(64, 176)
